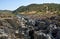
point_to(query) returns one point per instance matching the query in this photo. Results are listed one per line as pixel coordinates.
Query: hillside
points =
(38, 7)
(39, 10)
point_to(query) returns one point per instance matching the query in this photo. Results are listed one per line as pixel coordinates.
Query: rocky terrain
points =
(18, 27)
(35, 21)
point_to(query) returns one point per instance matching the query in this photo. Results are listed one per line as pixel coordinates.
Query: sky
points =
(14, 4)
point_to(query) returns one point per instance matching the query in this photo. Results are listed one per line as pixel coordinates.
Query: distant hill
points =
(39, 10)
(5, 11)
(38, 7)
